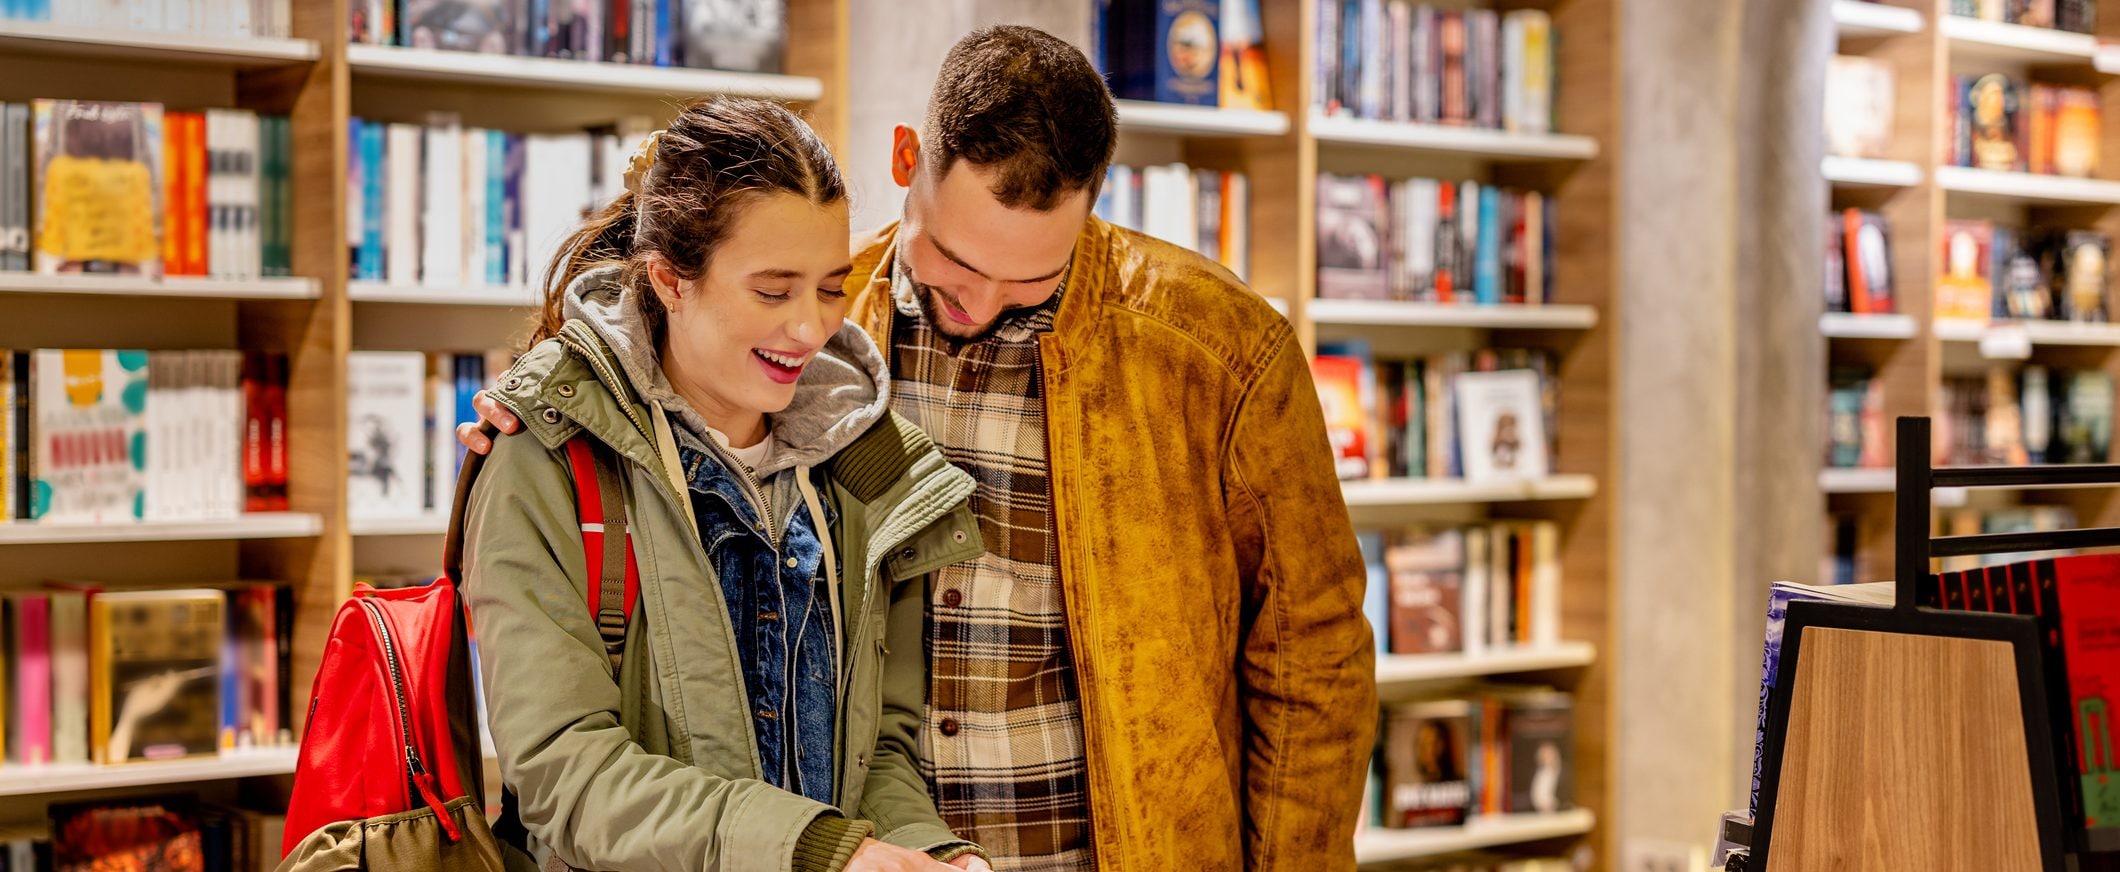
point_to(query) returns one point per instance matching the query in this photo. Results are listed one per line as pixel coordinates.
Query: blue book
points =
(1376, 594)
(372, 202)
(470, 378)
(496, 206)
(666, 34)
(1169, 51)
(540, 29)
(1487, 257)
(356, 194)
(512, 185)
(231, 671)
(1098, 45)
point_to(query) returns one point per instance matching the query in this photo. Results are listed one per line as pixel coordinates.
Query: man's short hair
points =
(1028, 107)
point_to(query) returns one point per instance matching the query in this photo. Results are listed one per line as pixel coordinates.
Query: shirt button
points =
(952, 598)
(769, 616)
(791, 563)
(949, 726)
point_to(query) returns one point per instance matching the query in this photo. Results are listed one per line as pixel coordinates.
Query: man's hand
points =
(972, 863)
(489, 411)
(875, 856)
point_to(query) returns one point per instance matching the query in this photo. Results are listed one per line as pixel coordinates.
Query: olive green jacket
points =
(660, 769)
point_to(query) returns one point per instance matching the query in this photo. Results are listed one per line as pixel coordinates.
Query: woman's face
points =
(741, 334)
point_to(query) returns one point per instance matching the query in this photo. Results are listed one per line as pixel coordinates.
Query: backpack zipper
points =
(417, 777)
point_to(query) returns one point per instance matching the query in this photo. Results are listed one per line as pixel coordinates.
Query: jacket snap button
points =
(908, 554)
(566, 390)
(862, 760)
(952, 598)
(957, 535)
(551, 416)
(514, 383)
(949, 726)
(791, 563)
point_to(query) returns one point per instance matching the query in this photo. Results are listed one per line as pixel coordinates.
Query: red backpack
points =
(390, 774)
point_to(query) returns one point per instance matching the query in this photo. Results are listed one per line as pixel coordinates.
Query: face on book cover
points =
(971, 258)
(773, 293)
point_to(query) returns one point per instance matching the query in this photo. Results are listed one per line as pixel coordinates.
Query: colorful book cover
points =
(743, 35)
(97, 168)
(496, 223)
(1501, 425)
(1869, 263)
(2076, 132)
(2084, 276)
(1997, 123)
(1488, 254)
(1428, 764)
(375, 175)
(1172, 50)
(2087, 418)
(1539, 760)
(29, 648)
(1966, 288)
(1427, 574)
(1352, 224)
(1339, 383)
(155, 661)
(91, 428)
(2020, 281)
(457, 25)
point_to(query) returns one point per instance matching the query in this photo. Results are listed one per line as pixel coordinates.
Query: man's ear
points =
(905, 155)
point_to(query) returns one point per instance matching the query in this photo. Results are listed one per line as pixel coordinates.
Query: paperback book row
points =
(156, 834)
(1395, 60)
(1498, 750)
(1994, 270)
(740, 35)
(1859, 263)
(131, 189)
(2000, 123)
(1479, 416)
(2075, 16)
(111, 676)
(402, 408)
(2028, 415)
(2075, 600)
(1195, 52)
(1464, 590)
(445, 206)
(100, 436)
(225, 18)
(1208, 211)
(1433, 241)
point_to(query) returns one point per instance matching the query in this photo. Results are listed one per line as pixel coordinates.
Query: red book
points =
(1858, 290)
(1446, 234)
(276, 430)
(256, 478)
(172, 193)
(195, 216)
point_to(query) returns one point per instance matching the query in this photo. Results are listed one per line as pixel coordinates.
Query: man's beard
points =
(930, 301)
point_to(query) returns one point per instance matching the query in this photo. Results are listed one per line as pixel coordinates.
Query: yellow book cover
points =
(1966, 288)
(157, 676)
(1243, 66)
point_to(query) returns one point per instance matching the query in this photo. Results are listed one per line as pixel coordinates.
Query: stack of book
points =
(2075, 16)
(109, 675)
(1481, 416)
(127, 188)
(228, 18)
(1855, 432)
(1395, 60)
(739, 35)
(402, 408)
(1858, 263)
(1433, 241)
(1208, 211)
(1994, 270)
(445, 206)
(1195, 52)
(101, 436)
(1496, 750)
(2027, 415)
(2000, 123)
(1464, 590)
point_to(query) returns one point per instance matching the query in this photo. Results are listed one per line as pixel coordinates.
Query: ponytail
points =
(605, 239)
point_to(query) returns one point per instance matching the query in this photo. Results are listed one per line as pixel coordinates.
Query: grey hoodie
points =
(844, 390)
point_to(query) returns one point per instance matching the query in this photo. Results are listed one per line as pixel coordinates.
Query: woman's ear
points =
(905, 155)
(666, 284)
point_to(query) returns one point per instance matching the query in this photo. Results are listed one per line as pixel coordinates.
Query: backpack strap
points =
(607, 545)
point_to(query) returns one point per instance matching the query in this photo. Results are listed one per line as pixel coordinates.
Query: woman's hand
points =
(491, 412)
(875, 856)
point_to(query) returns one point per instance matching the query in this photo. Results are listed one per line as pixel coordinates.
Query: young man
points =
(1160, 662)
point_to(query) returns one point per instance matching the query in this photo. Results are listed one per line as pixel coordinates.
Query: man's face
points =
(972, 259)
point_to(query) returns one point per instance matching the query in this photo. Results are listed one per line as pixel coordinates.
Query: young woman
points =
(759, 710)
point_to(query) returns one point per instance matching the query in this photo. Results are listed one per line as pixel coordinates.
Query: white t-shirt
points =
(754, 457)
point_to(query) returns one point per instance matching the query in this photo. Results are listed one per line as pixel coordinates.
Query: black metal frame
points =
(1913, 548)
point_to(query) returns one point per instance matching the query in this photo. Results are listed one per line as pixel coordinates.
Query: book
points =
(1428, 764)
(1858, 105)
(1243, 78)
(1996, 123)
(69, 671)
(2083, 276)
(1351, 237)
(97, 171)
(1527, 71)
(1868, 261)
(1966, 288)
(29, 707)
(2076, 128)
(385, 421)
(1339, 382)
(1376, 589)
(1164, 50)
(154, 668)
(15, 188)
(1779, 595)
(151, 836)
(1501, 425)
(1426, 571)
(742, 35)
(90, 427)
(1539, 766)
(481, 26)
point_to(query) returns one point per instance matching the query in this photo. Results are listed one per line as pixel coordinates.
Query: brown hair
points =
(1028, 106)
(715, 156)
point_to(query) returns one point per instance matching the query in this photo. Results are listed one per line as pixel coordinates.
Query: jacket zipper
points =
(603, 371)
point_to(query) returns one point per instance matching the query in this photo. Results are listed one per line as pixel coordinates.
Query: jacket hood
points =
(843, 391)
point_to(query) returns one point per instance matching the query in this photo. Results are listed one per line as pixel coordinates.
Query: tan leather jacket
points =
(1214, 589)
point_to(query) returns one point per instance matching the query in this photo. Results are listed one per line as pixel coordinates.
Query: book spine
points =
(1478, 590)
(666, 34)
(8, 498)
(1327, 69)
(25, 440)
(442, 207)
(33, 701)
(356, 197)
(374, 203)
(69, 670)
(495, 245)
(14, 187)
(403, 248)
(1487, 267)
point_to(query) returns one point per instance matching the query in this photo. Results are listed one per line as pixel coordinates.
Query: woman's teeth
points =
(778, 359)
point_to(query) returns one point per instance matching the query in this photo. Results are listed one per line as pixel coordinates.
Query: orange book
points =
(172, 190)
(1858, 290)
(2043, 105)
(2074, 149)
(1520, 536)
(195, 195)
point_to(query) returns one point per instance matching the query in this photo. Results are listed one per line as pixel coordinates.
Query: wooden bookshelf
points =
(1143, 117)
(1400, 669)
(1492, 831)
(455, 67)
(174, 288)
(44, 38)
(1856, 19)
(17, 780)
(1858, 172)
(420, 295)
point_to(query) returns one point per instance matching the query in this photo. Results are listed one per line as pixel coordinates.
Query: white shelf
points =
(1381, 493)
(256, 525)
(42, 37)
(377, 292)
(2028, 187)
(1392, 313)
(2073, 333)
(431, 65)
(1858, 481)
(2107, 60)
(18, 780)
(424, 525)
(1863, 172)
(1496, 144)
(1411, 668)
(1859, 19)
(1996, 41)
(1844, 325)
(1382, 845)
(1142, 116)
(141, 286)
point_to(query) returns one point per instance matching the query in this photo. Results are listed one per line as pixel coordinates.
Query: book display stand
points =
(1915, 738)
